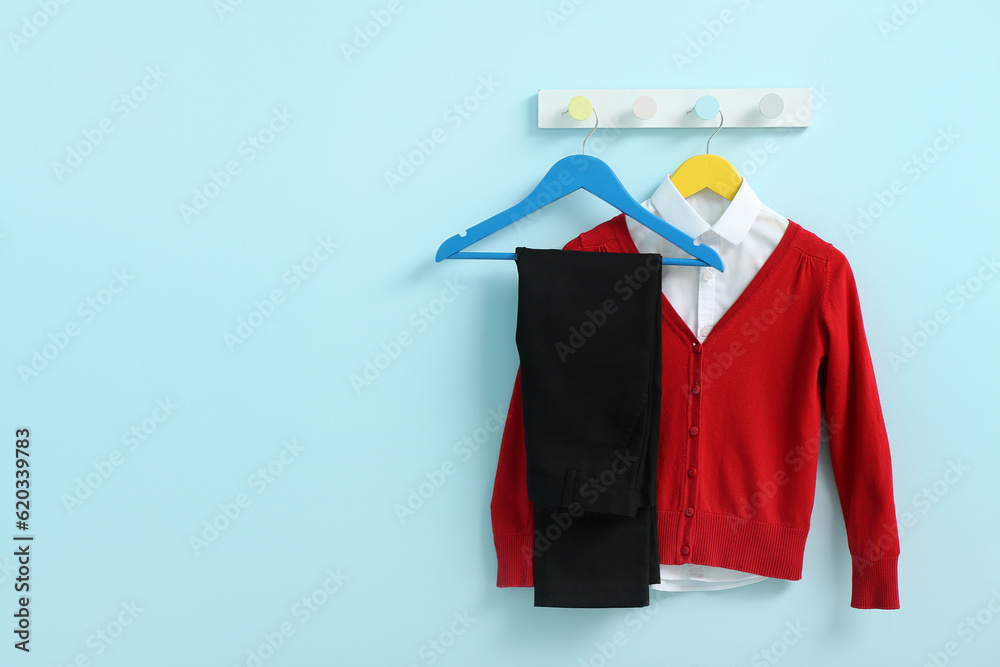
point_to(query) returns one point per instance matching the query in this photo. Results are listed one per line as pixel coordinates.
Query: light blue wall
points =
(890, 78)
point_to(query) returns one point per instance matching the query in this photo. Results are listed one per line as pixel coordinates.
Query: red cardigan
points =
(740, 425)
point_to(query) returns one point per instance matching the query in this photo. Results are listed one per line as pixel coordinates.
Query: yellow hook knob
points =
(580, 108)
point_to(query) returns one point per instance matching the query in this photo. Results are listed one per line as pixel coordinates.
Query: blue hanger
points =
(568, 175)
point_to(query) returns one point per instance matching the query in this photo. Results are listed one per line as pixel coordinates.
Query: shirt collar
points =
(732, 225)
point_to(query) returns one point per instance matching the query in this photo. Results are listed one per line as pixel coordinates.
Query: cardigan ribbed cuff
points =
(514, 559)
(875, 583)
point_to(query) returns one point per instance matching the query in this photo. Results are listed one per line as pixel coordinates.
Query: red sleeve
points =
(510, 509)
(859, 446)
(511, 512)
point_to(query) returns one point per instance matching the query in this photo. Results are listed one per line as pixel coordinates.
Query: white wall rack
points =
(675, 107)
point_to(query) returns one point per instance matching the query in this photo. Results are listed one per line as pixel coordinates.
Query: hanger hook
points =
(722, 120)
(583, 149)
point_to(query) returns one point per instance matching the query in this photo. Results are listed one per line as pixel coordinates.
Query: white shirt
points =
(744, 232)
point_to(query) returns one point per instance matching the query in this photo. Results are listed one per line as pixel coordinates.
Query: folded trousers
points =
(588, 338)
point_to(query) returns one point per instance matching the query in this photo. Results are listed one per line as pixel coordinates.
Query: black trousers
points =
(588, 337)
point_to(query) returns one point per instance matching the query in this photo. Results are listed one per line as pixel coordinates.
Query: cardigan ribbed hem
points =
(733, 542)
(729, 541)
(874, 583)
(514, 560)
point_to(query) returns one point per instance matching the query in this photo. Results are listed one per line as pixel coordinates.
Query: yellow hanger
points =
(707, 171)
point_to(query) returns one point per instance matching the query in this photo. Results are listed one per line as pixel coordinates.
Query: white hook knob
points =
(771, 105)
(644, 107)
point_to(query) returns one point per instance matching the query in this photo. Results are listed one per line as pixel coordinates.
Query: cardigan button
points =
(689, 512)
(696, 389)
(692, 472)
(693, 430)
(696, 347)
(685, 550)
